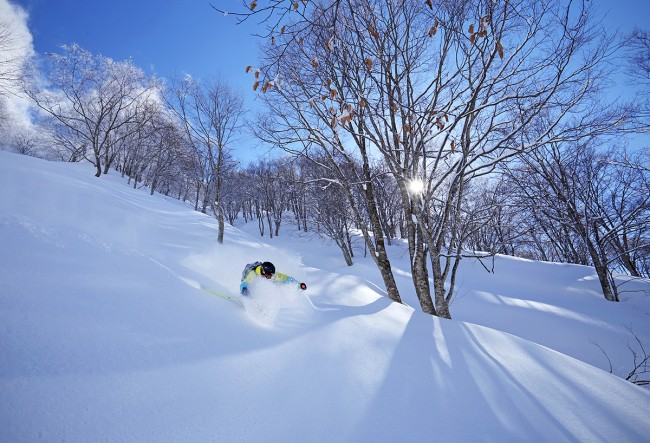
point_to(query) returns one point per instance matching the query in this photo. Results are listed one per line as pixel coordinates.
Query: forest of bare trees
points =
(464, 128)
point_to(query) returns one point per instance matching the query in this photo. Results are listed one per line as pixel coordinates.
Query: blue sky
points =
(187, 36)
(168, 38)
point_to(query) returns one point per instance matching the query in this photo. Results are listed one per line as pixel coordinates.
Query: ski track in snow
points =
(108, 334)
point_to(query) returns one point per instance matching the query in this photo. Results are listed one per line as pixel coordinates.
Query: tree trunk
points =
(98, 163)
(442, 305)
(381, 257)
(221, 223)
(341, 243)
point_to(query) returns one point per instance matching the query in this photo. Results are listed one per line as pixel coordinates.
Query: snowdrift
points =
(106, 334)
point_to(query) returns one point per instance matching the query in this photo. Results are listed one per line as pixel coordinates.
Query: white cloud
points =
(16, 47)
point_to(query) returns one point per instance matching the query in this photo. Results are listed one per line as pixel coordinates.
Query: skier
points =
(267, 270)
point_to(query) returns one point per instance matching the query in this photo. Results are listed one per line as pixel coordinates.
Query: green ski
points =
(226, 296)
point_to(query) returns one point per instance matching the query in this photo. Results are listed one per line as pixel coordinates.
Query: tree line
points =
(463, 128)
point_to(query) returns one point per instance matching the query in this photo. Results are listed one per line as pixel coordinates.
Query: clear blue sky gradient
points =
(165, 37)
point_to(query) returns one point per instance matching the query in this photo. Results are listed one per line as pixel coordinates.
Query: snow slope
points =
(106, 334)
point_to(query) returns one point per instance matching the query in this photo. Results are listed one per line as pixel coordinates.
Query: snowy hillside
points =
(106, 334)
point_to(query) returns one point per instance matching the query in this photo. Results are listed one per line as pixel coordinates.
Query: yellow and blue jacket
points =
(278, 277)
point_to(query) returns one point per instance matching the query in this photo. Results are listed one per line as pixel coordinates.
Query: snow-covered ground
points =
(107, 335)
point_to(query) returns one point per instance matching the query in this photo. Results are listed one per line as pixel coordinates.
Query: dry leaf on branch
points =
(347, 115)
(373, 31)
(330, 43)
(433, 29)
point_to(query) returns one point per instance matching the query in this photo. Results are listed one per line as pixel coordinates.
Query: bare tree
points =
(13, 57)
(332, 217)
(100, 102)
(594, 202)
(621, 202)
(329, 211)
(639, 47)
(65, 145)
(441, 91)
(211, 114)
(15, 54)
(167, 154)
(9, 74)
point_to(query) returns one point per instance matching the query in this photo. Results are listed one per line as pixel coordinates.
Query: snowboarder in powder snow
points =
(267, 270)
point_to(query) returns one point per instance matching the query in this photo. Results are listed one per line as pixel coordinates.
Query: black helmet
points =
(267, 268)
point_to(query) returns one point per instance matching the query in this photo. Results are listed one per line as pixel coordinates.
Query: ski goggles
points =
(261, 272)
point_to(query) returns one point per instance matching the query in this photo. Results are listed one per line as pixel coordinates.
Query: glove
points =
(303, 286)
(243, 288)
